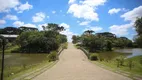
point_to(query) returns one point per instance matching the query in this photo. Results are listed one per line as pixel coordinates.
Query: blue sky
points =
(116, 16)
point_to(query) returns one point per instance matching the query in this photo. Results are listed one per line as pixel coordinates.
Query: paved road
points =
(73, 65)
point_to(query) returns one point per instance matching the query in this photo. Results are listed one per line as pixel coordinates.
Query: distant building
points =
(9, 37)
(11, 33)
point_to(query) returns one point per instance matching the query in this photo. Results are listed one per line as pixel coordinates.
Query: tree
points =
(138, 25)
(88, 32)
(53, 27)
(75, 39)
(109, 45)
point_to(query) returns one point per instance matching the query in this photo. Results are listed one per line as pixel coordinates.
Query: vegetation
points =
(93, 57)
(131, 65)
(101, 41)
(138, 27)
(41, 42)
(30, 40)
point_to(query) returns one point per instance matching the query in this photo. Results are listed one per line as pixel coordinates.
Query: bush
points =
(93, 57)
(65, 45)
(52, 56)
(130, 64)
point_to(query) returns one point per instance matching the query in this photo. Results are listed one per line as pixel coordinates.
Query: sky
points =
(115, 16)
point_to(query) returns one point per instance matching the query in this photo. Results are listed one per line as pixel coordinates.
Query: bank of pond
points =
(127, 61)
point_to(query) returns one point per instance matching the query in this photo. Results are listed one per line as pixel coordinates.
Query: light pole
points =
(2, 62)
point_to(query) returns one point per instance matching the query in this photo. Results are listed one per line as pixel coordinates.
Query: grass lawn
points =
(136, 69)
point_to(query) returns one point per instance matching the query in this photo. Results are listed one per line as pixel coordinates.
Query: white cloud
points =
(47, 17)
(6, 5)
(114, 10)
(133, 14)
(67, 32)
(93, 3)
(84, 23)
(83, 11)
(71, 1)
(53, 12)
(86, 9)
(23, 7)
(11, 17)
(66, 26)
(18, 23)
(121, 30)
(2, 22)
(30, 25)
(96, 28)
(40, 26)
(39, 17)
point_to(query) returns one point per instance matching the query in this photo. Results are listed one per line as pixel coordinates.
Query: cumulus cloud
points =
(71, 1)
(30, 25)
(53, 12)
(23, 7)
(121, 30)
(20, 23)
(85, 9)
(96, 28)
(66, 26)
(67, 32)
(133, 14)
(11, 17)
(84, 23)
(6, 5)
(39, 17)
(114, 10)
(93, 3)
(40, 26)
(2, 22)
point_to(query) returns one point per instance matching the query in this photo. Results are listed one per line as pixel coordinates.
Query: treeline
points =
(138, 27)
(106, 41)
(16, 31)
(30, 40)
(101, 41)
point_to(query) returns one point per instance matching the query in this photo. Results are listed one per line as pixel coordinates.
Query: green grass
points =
(8, 51)
(112, 65)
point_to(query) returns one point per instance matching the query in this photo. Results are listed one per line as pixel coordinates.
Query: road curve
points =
(73, 65)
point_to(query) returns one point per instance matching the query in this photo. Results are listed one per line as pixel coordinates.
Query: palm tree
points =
(138, 25)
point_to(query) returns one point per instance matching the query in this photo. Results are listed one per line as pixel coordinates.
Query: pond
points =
(16, 59)
(17, 62)
(134, 51)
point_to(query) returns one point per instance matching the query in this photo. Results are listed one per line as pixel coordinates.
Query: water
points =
(17, 59)
(134, 51)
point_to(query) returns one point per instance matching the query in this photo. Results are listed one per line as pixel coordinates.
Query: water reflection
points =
(134, 51)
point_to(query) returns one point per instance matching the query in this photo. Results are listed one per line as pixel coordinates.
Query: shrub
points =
(120, 61)
(130, 64)
(93, 56)
(65, 45)
(52, 56)
(141, 61)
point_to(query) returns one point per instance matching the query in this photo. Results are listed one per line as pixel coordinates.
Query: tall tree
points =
(138, 25)
(88, 32)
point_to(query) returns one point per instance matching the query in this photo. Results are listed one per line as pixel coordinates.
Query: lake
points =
(134, 51)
